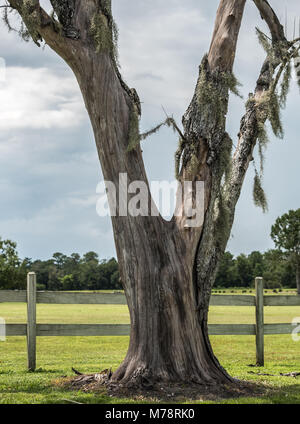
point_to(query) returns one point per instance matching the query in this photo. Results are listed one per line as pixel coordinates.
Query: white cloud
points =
(38, 98)
(160, 53)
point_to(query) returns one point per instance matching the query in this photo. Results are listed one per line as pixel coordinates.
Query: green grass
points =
(56, 355)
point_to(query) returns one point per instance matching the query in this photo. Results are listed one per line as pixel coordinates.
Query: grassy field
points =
(56, 355)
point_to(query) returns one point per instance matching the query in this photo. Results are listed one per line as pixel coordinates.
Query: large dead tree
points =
(167, 268)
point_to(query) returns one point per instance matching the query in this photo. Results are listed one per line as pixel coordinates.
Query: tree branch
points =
(36, 18)
(249, 124)
(268, 15)
(227, 26)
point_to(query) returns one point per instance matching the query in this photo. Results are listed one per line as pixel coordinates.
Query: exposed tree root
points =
(160, 390)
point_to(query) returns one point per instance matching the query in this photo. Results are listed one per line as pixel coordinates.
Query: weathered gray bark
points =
(167, 270)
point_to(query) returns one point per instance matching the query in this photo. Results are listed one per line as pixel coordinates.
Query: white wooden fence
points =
(32, 329)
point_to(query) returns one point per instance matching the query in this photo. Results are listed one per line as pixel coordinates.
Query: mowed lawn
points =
(56, 355)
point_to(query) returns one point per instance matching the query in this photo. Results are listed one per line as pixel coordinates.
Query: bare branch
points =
(268, 14)
(227, 26)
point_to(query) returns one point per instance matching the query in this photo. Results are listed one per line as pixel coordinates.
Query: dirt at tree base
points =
(166, 392)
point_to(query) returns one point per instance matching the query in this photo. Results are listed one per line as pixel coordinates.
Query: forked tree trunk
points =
(157, 259)
(166, 268)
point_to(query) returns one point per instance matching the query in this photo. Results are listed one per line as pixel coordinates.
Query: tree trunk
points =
(167, 268)
(168, 340)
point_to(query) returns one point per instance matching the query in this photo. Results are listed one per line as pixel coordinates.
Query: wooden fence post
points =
(259, 289)
(31, 321)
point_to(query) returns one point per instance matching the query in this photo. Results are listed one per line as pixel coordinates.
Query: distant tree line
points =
(274, 266)
(61, 272)
(74, 272)
(279, 267)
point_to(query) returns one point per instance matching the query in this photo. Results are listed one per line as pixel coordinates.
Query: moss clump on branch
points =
(268, 108)
(206, 117)
(101, 32)
(105, 31)
(134, 137)
(32, 21)
(193, 165)
(212, 93)
(225, 157)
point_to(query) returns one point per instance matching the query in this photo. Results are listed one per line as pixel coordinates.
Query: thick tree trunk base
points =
(102, 382)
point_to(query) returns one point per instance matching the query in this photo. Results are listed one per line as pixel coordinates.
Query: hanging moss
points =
(265, 42)
(232, 83)
(285, 85)
(5, 17)
(259, 196)
(223, 225)
(275, 98)
(263, 140)
(134, 129)
(270, 104)
(268, 108)
(30, 21)
(274, 115)
(136, 138)
(297, 68)
(262, 134)
(169, 122)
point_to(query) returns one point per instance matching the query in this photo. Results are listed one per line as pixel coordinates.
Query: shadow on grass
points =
(51, 390)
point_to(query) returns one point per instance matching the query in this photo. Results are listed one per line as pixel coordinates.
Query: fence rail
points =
(31, 330)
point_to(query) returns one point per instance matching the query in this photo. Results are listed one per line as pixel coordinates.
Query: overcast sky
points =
(49, 168)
